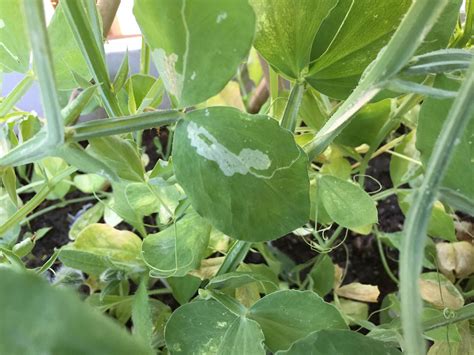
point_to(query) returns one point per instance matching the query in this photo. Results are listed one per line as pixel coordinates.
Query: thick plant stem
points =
(109, 127)
(86, 40)
(44, 69)
(421, 16)
(413, 244)
(234, 257)
(290, 116)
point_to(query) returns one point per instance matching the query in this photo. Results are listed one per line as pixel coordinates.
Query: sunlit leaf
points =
(233, 164)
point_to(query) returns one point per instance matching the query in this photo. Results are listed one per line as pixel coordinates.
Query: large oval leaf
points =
(244, 173)
(433, 114)
(179, 248)
(197, 45)
(285, 31)
(38, 319)
(339, 342)
(289, 315)
(349, 39)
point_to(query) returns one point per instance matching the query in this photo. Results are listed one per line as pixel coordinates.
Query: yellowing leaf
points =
(440, 292)
(359, 292)
(455, 260)
(229, 96)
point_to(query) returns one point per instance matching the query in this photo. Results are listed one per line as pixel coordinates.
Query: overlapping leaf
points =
(196, 45)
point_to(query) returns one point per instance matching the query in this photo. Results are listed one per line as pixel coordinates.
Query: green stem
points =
(145, 58)
(387, 193)
(86, 39)
(383, 258)
(421, 16)
(38, 34)
(236, 254)
(329, 243)
(413, 243)
(290, 116)
(16, 94)
(109, 127)
(40, 196)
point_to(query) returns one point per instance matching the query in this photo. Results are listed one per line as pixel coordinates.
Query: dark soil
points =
(359, 256)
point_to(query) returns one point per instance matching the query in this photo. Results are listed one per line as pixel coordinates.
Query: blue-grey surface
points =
(31, 101)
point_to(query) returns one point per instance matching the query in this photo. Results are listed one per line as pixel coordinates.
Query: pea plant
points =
(249, 123)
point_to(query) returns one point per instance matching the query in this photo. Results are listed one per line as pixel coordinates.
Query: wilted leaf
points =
(359, 292)
(440, 292)
(99, 247)
(455, 260)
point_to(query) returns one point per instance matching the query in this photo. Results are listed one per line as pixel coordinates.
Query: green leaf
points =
(89, 183)
(14, 43)
(119, 155)
(49, 167)
(365, 125)
(179, 248)
(196, 45)
(219, 332)
(283, 316)
(286, 31)
(402, 170)
(287, 316)
(433, 114)
(440, 225)
(92, 215)
(337, 342)
(7, 209)
(348, 40)
(99, 247)
(322, 275)
(346, 203)
(440, 34)
(67, 57)
(184, 287)
(237, 279)
(234, 164)
(72, 326)
(141, 313)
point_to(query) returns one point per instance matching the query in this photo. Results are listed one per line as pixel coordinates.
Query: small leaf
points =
(99, 247)
(346, 203)
(119, 155)
(322, 275)
(141, 314)
(89, 183)
(179, 248)
(237, 279)
(90, 216)
(359, 292)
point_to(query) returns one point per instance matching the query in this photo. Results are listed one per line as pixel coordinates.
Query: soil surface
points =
(359, 256)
